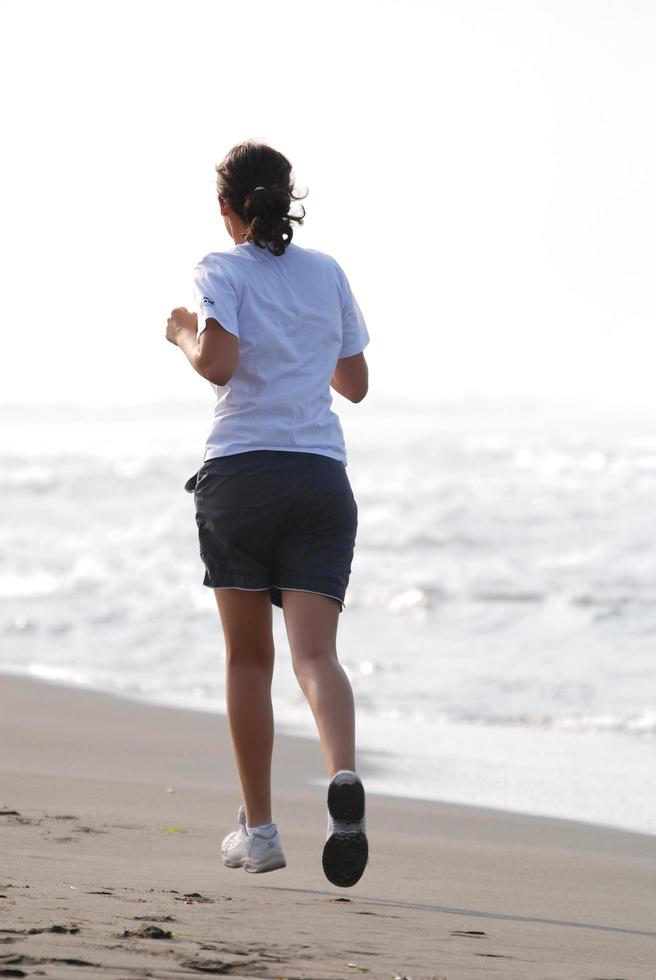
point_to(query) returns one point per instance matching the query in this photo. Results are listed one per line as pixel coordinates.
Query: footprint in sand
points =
(145, 932)
(14, 817)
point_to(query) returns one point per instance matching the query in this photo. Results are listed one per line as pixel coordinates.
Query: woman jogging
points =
(276, 326)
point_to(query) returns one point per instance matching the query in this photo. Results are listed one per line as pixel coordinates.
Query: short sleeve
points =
(215, 297)
(355, 335)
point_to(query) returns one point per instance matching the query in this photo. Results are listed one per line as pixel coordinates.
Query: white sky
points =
(485, 172)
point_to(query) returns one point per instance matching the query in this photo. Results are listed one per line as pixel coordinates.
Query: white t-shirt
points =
(294, 315)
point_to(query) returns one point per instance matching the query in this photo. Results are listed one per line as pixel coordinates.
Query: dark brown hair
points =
(247, 166)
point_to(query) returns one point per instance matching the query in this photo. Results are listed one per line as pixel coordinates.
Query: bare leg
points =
(246, 620)
(311, 623)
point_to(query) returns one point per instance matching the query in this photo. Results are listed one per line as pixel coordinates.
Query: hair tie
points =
(259, 188)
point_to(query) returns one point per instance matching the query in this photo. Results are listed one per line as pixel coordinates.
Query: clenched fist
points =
(180, 320)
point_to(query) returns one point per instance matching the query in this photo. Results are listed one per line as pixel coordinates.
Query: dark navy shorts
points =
(271, 519)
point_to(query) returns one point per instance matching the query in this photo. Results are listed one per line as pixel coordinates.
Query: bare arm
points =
(351, 377)
(214, 355)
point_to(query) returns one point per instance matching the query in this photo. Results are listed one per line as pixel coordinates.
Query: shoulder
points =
(330, 263)
(322, 263)
(314, 255)
(218, 267)
(218, 260)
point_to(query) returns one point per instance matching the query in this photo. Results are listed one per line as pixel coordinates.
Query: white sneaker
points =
(260, 852)
(346, 851)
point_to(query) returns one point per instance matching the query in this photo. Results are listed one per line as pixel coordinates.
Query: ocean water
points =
(500, 626)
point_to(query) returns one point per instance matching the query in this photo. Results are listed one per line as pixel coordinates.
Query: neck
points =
(238, 231)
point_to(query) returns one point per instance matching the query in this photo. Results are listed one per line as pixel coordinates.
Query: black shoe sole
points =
(345, 855)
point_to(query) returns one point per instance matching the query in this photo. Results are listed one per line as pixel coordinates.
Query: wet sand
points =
(111, 815)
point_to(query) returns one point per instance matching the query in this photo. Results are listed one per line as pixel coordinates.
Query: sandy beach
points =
(111, 816)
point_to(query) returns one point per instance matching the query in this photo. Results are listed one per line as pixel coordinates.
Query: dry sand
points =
(113, 814)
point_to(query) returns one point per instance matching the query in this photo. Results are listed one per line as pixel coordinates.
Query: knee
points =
(314, 659)
(253, 657)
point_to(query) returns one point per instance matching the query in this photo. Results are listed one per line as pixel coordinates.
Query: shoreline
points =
(119, 808)
(384, 766)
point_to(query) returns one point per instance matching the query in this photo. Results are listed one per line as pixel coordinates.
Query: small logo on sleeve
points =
(207, 301)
